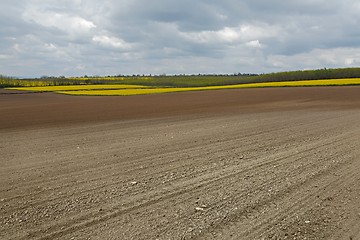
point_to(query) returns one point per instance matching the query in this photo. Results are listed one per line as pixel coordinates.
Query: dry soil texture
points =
(234, 164)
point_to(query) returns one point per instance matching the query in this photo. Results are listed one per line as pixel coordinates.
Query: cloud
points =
(319, 58)
(111, 42)
(73, 26)
(77, 37)
(3, 56)
(254, 44)
(242, 33)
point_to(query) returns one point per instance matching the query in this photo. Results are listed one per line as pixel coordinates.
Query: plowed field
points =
(280, 163)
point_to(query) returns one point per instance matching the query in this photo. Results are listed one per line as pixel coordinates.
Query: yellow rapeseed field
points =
(126, 90)
(306, 83)
(76, 88)
(137, 91)
(24, 83)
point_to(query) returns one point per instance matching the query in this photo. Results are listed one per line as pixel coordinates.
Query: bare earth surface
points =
(235, 164)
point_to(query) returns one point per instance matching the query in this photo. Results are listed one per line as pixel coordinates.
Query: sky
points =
(112, 37)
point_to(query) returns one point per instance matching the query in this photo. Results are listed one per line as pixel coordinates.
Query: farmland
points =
(139, 90)
(259, 163)
(185, 80)
(126, 90)
(138, 85)
(272, 156)
(77, 88)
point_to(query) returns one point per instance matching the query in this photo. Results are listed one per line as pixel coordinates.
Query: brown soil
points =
(280, 163)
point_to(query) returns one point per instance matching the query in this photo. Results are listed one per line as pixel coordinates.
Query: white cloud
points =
(50, 46)
(17, 47)
(339, 56)
(221, 17)
(64, 22)
(242, 33)
(113, 42)
(3, 56)
(318, 58)
(254, 44)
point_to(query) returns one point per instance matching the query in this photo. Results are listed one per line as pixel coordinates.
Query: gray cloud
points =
(78, 37)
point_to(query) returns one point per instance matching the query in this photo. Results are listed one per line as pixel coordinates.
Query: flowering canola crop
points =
(126, 90)
(77, 88)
